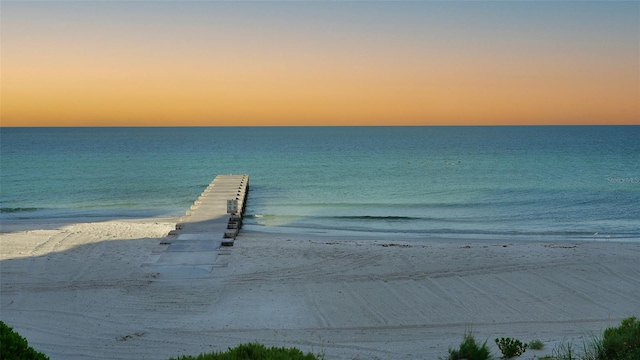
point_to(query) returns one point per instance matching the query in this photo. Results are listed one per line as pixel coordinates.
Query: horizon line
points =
(307, 126)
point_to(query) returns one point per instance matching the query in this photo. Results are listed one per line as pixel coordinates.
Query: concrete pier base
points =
(191, 250)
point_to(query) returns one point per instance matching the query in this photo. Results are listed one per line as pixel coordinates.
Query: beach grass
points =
(616, 343)
(255, 351)
(536, 344)
(470, 349)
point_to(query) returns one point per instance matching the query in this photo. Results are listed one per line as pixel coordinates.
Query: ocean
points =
(513, 182)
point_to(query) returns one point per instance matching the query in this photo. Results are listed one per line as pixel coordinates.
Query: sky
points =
(267, 63)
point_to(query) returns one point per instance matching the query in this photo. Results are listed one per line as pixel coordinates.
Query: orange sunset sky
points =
(206, 63)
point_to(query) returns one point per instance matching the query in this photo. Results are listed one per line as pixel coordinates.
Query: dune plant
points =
(510, 347)
(15, 347)
(536, 345)
(564, 351)
(254, 351)
(622, 342)
(592, 349)
(470, 350)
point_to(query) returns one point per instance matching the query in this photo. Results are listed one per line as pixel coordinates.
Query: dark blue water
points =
(458, 182)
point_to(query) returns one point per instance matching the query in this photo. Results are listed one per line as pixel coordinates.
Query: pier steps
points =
(213, 221)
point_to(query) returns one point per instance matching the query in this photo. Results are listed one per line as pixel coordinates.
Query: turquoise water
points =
(526, 183)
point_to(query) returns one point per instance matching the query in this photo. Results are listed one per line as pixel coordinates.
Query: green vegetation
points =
(616, 343)
(623, 342)
(254, 351)
(563, 351)
(510, 347)
(15, 347)
(470, 350)
(536, 345)
(546, 357)
(592, 349)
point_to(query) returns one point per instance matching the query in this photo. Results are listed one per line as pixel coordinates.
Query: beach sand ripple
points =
(84, 291)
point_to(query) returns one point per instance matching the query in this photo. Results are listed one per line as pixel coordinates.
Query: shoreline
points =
(81, 291)
(10, 225)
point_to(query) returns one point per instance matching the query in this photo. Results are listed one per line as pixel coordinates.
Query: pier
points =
(212, 222)
(218, 210)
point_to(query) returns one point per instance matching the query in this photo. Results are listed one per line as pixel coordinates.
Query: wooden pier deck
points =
(213, 221)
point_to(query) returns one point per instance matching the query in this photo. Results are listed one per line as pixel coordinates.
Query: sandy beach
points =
(83, 291)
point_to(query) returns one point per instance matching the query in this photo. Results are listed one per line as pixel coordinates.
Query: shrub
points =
(623, 342)
(15, 347)
(254, 351)
(536, 345)
(470, 350)
(510, 347)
